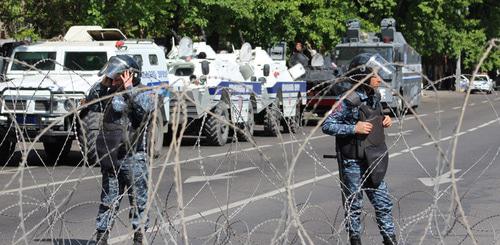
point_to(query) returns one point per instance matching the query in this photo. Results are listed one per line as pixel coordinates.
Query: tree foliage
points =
(436, 28)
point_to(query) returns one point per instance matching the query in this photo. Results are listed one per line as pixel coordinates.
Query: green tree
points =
(439, 29)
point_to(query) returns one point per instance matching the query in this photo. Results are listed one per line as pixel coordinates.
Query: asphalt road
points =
(282, 190)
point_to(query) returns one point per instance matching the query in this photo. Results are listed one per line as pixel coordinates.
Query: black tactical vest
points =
(370, 149)
(112, 139)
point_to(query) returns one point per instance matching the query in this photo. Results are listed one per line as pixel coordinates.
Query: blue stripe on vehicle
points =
(164, 91)
(288, 86)
(255, 88)
(412, 77)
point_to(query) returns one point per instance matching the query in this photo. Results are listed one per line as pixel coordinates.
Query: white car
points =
(481, 83)
(65, 71)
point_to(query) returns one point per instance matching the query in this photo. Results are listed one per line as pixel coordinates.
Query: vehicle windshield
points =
(481, 78)
(84, 61)
(40, 60)
(345, 54)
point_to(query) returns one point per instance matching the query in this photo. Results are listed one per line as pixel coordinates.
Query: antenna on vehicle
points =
(174, 51)
(177, 37)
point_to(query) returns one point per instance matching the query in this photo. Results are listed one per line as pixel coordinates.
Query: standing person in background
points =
(122, 144)
(298, 56)
(358, 124)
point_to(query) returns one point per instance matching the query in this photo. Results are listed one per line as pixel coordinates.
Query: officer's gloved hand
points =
(119, 103)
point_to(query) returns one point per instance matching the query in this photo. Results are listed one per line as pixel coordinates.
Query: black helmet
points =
(366, 63)
(118, 64)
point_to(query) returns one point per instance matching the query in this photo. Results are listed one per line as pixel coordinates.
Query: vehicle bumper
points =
(34, 125)
(486, 87)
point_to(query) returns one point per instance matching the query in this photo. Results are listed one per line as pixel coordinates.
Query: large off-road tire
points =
(216, 132)
(87, 136)
(7, 147)
(247, 127)
(272, 120)
(57, 149)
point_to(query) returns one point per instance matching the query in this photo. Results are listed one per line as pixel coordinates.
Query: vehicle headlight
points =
(66, 102)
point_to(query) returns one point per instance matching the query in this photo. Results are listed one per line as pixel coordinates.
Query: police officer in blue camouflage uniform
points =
(122, 144)
(358, 124)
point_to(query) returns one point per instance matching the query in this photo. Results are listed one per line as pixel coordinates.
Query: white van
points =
(44, 82)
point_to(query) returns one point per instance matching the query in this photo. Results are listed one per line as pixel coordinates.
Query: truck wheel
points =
(7, 147)
(272, 120)
(87, 136)
(169, 135)
(215, 131)
(57, 149)
(247, 127)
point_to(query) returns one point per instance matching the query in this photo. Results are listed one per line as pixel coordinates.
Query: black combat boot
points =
(137, 238)
(101, 237)
(390, 240)
(355, 240)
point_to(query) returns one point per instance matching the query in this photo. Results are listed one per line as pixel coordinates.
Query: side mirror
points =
(266, 70)
(205, 68)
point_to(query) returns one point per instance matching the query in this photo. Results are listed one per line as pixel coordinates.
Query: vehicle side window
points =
(153, 59)
(40, 60)
(184, 71)
(84, 61)
(138, 59)
(413, 57)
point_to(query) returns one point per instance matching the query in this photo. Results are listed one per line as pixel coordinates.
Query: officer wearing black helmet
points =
(122, 144)
(358, 124)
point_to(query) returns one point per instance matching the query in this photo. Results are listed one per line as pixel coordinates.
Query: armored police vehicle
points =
(202, 82)
(406, 83)
(45, 83)
(281, 98)
(319, 73)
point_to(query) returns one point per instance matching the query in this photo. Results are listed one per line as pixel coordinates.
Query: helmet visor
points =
(383, 68)
(113, 68)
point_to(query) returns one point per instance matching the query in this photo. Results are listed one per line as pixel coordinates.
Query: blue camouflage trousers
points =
(130, 179)
(351, 174)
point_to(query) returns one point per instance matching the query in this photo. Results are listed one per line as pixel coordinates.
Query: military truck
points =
(201, 82)
(283, 95)
(406, 83)
(47, 80)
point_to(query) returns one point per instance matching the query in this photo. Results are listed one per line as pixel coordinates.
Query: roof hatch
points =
(93, 33)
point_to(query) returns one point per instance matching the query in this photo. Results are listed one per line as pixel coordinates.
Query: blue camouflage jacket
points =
(131, 110)
(342, 120)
